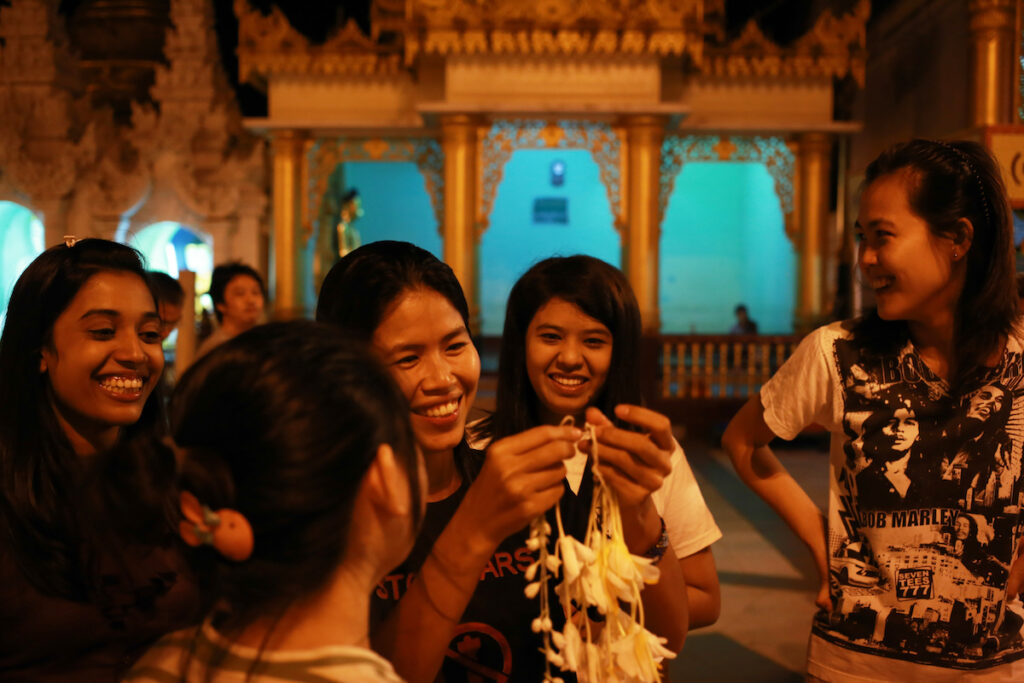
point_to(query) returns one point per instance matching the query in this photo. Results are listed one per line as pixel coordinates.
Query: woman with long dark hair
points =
(88, 574)
(936, 247)
(301, 486)
(569, 348)
(465, 611)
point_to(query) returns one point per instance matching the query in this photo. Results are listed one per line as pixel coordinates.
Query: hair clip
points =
(226, 530)
(70, 241)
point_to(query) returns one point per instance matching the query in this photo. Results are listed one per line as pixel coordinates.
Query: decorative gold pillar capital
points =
(644, 136)
(992, 29)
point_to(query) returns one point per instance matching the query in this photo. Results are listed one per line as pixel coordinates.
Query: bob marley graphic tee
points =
(924, 518)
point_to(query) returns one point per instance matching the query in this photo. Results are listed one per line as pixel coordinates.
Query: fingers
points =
(648, 477)
(654, 423)
(639, 446)
(824, 597)
(535, 438)
(597, 418)
(629, 491)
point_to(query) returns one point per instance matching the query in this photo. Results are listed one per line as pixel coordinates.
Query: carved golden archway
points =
(773, 152)
(504, 137)
(324, 154)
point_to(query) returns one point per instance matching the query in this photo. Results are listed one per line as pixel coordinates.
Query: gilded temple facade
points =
(645, 86)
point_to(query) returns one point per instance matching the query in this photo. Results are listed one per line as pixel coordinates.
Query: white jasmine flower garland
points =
(599, 573)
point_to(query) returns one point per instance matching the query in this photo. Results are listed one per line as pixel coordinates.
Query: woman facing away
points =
(569, 347)
(301, 486)
(936, 247)
(465, 610)
(88, 572)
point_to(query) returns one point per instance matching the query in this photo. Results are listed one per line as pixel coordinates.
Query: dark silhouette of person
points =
(744, 324)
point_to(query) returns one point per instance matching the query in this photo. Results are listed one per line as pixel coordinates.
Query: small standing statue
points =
(345, 235)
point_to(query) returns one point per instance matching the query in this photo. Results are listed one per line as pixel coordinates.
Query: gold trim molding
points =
(834, 47)
(604, 142)
(324, 154)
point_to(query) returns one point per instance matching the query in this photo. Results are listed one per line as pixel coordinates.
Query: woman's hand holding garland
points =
(634, 465)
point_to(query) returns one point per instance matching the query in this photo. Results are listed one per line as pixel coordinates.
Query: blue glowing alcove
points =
(723, 242)
(21, 240)
(513, 241)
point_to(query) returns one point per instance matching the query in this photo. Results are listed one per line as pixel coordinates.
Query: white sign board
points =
(1007, 144)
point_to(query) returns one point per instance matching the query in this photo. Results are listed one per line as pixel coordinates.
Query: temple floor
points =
(766, 575)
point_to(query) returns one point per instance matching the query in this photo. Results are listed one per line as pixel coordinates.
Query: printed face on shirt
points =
(568, 355)
(104, 358)
(986, 403)
(909, 268)
(243, 302)
(963, 528)
(426, 346)
(903, 429)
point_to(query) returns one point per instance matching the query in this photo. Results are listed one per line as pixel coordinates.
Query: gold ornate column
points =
(458, 234)
(644, 135)
(287, 148)
(813, 155)
(992, 53)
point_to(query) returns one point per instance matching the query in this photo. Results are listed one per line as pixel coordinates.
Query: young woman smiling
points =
(467, 598)
(936, 246)
(569, 348)
(87, 574)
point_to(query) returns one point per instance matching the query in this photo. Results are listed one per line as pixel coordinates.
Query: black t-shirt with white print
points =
(493, 641)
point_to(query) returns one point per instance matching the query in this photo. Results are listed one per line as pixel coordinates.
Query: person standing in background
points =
(238, 296)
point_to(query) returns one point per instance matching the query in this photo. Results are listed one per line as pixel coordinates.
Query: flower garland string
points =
(598, 573)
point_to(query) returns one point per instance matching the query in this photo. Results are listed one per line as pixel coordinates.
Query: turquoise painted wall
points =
(396, 205)
(21, 240)
(723, 243)
(513, 242)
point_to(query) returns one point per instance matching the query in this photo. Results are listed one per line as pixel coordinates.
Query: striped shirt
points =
(187, 655)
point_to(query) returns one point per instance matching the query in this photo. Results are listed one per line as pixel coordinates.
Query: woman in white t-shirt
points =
(301, 486)
(916, 551)
(569, 348)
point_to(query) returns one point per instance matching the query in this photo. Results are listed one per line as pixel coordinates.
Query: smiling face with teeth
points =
(910, 268)
(568, 355)
(103, 358)
(424, 342)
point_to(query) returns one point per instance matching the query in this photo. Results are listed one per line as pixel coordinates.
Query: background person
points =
(744, 324)
(169, 299)
(238, 298)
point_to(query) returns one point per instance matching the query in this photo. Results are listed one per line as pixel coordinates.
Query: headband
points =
(977, 179)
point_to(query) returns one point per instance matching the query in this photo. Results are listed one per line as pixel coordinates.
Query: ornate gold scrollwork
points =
(773, 152)
(506, 136)
(324, 155)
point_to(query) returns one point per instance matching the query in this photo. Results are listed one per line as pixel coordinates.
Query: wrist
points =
(476, 541)
(642, 527)
(660, 547)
